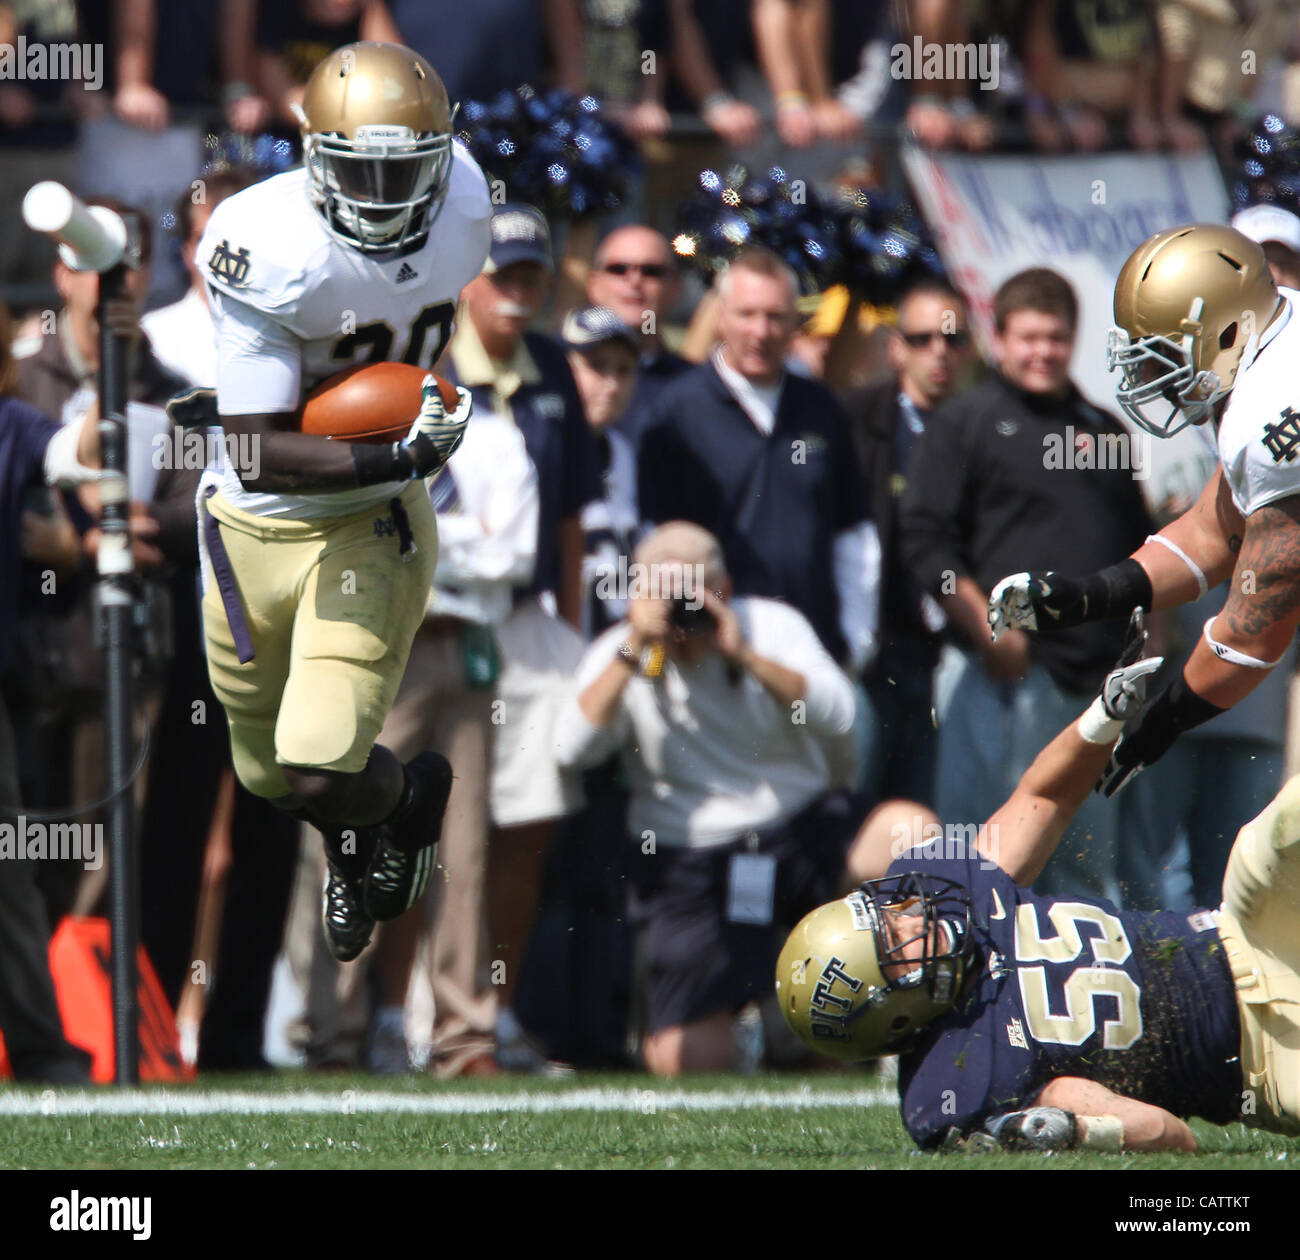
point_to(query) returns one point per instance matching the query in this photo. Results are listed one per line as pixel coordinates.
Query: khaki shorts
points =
(331, 606)
(1260, 928)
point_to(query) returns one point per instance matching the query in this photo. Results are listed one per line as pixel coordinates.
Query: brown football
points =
(373, 402)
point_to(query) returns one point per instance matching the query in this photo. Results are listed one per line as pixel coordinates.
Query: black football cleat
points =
(347, 925)
(407, 848)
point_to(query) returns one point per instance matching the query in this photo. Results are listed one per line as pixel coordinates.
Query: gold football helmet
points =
(1189, 303)
(376, 133)
(831, 980)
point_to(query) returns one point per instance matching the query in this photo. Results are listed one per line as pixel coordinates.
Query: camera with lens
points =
(691, 620)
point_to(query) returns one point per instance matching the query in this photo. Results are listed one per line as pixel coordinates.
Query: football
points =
(373, 402)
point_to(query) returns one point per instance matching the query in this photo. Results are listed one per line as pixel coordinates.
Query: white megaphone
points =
(91, 238)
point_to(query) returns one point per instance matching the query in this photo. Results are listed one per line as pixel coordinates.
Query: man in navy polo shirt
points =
(762, 460)
(524, 377)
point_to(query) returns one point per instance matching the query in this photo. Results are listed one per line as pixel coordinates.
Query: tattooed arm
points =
(1263, 607)
(1250, 635)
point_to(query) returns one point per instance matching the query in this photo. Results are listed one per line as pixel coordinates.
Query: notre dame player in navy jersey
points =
(1047, 1022)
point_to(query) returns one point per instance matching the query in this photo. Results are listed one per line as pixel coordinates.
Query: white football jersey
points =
(1259, 435)
(292, 305)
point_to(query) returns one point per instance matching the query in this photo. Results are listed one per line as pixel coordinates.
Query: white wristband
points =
(1101, 1133)
(1231, 655)
(1197, 572)
(1096, 726)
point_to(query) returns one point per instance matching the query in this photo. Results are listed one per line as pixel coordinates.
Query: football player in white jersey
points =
(319, 554)
(1204, 337)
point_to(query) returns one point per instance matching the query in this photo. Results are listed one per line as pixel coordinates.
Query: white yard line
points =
(373, 1102)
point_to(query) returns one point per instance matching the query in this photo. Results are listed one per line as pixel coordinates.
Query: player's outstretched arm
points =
(1236, 650)
(1024, 833)
(1179, 564)
(1146, 1127)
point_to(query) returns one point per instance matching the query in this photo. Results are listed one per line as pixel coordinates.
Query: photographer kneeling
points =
(724, 712)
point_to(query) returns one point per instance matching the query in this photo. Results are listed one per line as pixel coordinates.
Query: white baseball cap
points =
(1269, 223)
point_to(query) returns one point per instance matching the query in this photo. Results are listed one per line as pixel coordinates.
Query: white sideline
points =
(163, 1102)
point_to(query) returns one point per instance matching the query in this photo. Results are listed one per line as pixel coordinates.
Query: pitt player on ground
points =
(1047, 1022)
(1204, 335)
(320, 557)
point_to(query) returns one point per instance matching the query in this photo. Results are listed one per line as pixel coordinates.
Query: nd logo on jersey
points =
(229, 266)
(1282, 439)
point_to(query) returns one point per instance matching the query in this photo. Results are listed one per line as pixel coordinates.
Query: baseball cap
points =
(519, 234)
(1268, 223)
(591, 325)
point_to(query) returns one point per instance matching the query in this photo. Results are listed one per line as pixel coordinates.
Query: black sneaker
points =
(347, 925)
(407, 847)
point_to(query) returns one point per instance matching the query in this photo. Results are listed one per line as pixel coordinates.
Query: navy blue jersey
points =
(1141, 1003)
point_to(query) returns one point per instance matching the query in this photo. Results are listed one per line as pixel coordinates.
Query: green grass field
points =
(298, 1120)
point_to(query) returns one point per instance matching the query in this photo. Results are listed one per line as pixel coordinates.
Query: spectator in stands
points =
(1221, 61)
(603, 354)
(794, 47)
(290, 38)
(1278, 231)
(928, 350)
(941, 112)
(762, 459)
(523, 377)
(729, 798)
(181, 335)
(635, 275)
(487, 506)
(1091, 70)
(994, 487)
(493, 46)
(32, 448)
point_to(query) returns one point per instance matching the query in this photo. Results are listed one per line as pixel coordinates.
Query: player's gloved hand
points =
(1052, 601)
(1036, 601)
(193, 408)
(1124, 691)
(435, 435)
(1175, 710)
(1034, 1129)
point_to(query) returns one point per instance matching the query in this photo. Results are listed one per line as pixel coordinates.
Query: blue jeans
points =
(989, 733)
(1193, 802)
(900, 737)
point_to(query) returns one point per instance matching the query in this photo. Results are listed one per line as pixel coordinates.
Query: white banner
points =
(1082, 216)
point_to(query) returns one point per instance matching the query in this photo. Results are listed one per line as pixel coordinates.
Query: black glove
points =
(1175, 710)
(1052, 601)
(193, 408)
(1034, 1129)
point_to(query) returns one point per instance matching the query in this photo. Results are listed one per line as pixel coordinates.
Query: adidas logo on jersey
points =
(405, 272)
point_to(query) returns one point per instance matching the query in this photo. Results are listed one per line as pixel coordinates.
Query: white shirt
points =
(1259, 448)
(709, 759)
(487, 528)
(294, 306)
(184, 339)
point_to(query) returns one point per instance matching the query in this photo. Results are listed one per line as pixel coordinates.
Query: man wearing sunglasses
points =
(1010, 476)
(635, 276)
(929, 350)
